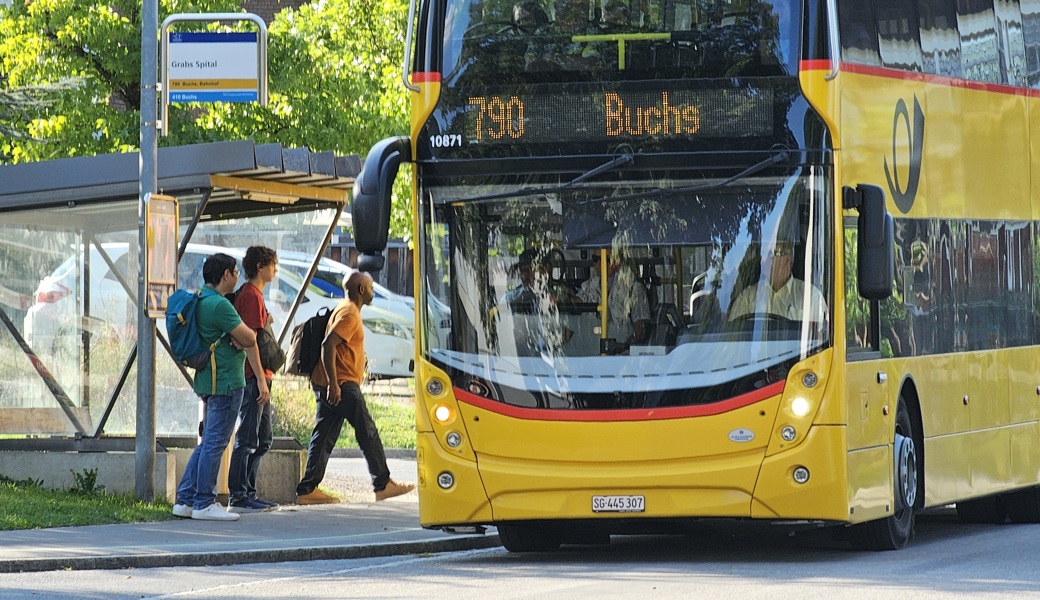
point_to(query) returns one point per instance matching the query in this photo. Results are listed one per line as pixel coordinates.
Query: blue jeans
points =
(255, 436)
(198, 487)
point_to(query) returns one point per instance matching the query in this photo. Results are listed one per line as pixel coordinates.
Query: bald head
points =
(359, 288)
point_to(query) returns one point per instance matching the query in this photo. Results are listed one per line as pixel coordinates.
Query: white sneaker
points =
(182, 510)
(214, 512)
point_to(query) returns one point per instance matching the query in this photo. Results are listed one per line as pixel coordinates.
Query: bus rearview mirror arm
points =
(875, 265)
(370, 210)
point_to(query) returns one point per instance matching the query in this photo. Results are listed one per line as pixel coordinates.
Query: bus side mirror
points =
(370, 211)
(876, 264)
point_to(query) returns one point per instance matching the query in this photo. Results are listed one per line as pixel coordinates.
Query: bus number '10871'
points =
(446, 140)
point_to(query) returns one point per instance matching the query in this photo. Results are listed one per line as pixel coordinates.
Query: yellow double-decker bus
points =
(682, 259)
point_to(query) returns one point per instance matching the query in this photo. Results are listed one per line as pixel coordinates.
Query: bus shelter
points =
(69, 258)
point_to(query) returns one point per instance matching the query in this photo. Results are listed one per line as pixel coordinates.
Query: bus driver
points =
(781, 294)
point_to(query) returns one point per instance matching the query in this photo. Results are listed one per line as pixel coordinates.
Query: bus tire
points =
(527, 538)
(893, 533)
(990, 510)
(1023, 506)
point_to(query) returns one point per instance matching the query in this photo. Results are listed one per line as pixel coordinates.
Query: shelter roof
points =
(242, 180)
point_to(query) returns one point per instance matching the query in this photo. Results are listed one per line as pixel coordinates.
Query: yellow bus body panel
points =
(527, 469)
(979, 410)
(464, 502)
(823, 496)
(684, 467)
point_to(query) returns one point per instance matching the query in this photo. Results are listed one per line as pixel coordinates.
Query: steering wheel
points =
(767, 320)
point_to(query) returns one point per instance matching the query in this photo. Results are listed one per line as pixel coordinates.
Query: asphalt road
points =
(946, 559)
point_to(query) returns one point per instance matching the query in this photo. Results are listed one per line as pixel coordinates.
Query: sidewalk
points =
(357, 528)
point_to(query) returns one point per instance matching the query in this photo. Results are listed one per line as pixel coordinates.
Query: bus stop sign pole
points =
(144, 462)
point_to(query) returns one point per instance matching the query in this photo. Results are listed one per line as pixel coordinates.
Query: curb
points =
(396, 453)
(214, 559)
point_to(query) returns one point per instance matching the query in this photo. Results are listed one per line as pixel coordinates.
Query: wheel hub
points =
(906, 471)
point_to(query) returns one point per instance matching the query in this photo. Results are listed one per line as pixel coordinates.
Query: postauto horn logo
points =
(904, 195)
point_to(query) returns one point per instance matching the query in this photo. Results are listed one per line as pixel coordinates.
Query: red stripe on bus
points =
(426, 77)
(637, 414)
(819, 64)
(887, 73)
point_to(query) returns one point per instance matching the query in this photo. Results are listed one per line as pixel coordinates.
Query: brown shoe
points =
(394, 489)
(317, 497)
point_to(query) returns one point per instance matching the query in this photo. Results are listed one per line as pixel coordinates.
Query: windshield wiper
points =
(612, 164)
(774, 160)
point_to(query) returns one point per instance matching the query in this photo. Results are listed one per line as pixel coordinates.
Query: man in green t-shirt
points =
(220, 388)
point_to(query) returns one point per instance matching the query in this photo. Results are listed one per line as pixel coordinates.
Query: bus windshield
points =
(709, 294)
(512, 40)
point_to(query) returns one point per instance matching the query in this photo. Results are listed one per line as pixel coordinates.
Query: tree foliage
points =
(334, 80)
(47, 41)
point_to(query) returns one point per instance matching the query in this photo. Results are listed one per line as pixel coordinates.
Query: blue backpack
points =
(187, 345)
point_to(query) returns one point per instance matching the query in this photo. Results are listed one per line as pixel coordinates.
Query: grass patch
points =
(29, 506)
(295, 411)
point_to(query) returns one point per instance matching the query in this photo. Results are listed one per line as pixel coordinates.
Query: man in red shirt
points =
(337, 385)
(255, 433)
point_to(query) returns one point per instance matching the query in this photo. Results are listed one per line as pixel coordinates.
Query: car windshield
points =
(570, 300)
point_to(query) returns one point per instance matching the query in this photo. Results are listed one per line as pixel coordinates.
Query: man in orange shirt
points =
(337, 385)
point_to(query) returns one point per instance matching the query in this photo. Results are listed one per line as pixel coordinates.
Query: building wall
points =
(267, 9)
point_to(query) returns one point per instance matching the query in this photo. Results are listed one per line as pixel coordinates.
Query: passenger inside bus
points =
(628, 310)
(777, 292)
(532, 270)
(528, 16)
(533, 307)
(553, 47)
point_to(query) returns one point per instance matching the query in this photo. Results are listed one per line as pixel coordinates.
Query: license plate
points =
(618, 504)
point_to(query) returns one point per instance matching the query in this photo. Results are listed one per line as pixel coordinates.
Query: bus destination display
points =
(614, 115)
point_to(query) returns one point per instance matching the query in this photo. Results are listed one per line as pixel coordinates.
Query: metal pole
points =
(144, 465)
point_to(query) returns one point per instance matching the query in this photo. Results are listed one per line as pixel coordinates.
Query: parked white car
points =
(64, 309)
(329, 280)
(331, 274)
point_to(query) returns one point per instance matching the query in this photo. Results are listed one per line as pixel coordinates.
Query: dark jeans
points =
(327, 426)
(254, 439)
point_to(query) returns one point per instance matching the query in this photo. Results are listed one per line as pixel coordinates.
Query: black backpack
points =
(305, 346)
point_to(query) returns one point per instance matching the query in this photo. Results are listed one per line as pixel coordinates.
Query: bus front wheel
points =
(528, 538)
(893, 533)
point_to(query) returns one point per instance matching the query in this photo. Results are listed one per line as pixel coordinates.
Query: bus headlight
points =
(788, 433)
(445, 480)
(443, 414)
(453, 439)
(800, 407)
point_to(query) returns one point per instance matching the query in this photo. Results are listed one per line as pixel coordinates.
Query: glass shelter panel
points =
(69, 307)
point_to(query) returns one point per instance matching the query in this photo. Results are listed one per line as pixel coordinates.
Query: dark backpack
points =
(187, 345)
(305, 346)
